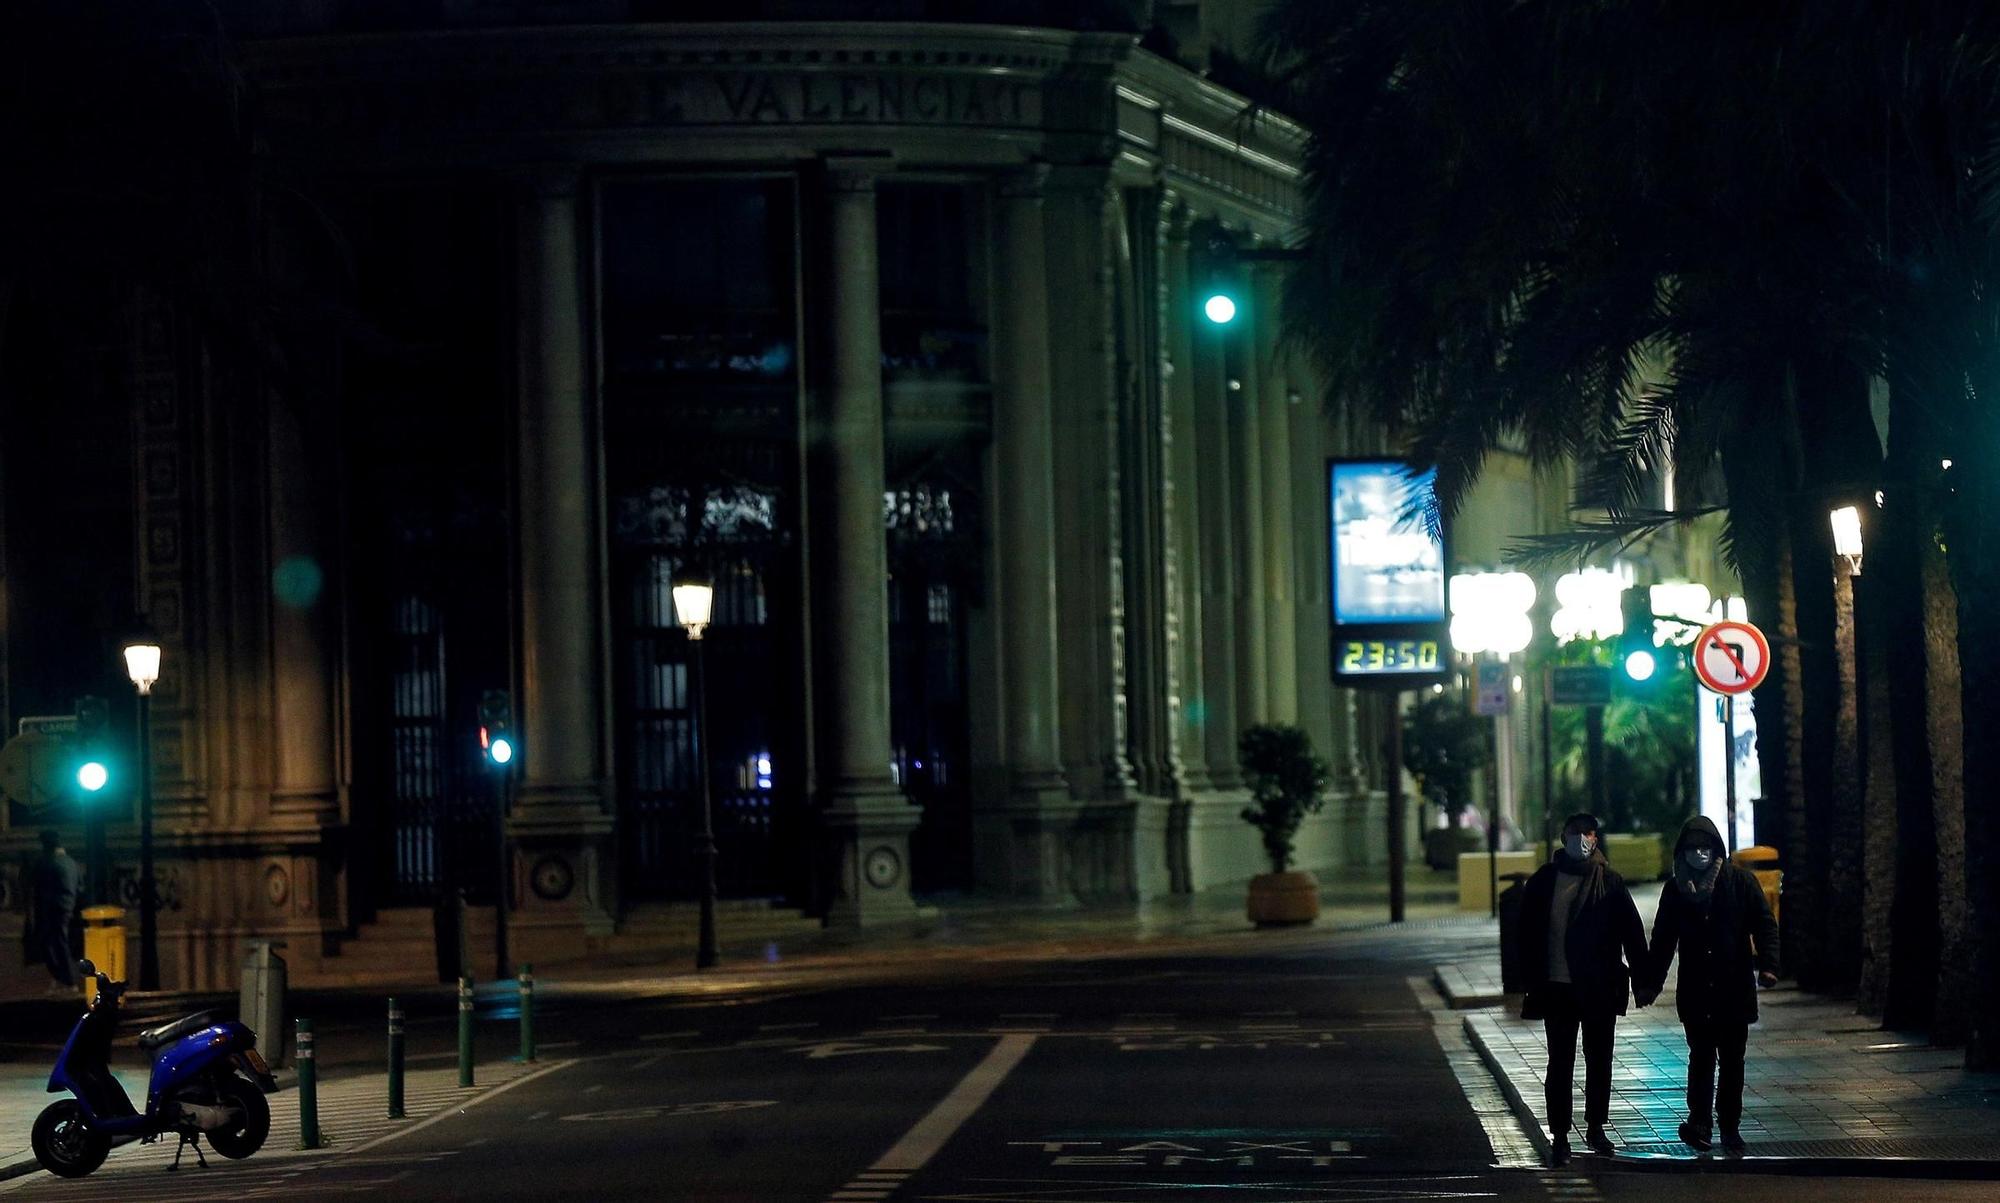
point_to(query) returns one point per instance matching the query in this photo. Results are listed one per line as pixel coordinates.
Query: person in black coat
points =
(1715, 914)
(1578, 933)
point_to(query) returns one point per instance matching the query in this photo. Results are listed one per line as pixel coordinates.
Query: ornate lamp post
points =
(694, 601)
(142, 665)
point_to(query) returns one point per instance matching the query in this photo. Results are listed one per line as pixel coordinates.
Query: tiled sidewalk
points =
(1821, 1082)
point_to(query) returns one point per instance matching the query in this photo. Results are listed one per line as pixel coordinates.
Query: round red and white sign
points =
(1731, 657)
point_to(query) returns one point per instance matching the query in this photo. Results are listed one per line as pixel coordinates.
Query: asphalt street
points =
(1294, 1068)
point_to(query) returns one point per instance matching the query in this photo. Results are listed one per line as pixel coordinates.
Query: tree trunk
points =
(1880, 879)
(1944, 727)
(1974, 555)
(1763, 553)
(1893, 602)
(1843, 821)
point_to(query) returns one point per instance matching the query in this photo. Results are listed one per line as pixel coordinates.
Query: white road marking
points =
(848, 1048)
(486, 1097)
(647, 1062)
(922, 1142)
(786, 1027)
(593, 1088)
(669, 1035)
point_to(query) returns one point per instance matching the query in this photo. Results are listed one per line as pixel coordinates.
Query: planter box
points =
(1473, 887)
(1637, 857)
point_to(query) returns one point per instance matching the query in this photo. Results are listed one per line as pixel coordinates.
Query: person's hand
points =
(1767, 980)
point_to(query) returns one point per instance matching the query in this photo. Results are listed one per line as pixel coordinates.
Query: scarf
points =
(1698, 890)
(1592, 867)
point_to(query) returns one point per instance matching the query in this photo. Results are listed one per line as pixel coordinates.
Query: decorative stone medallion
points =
(882, 867)
(277, 885)
(552, 879)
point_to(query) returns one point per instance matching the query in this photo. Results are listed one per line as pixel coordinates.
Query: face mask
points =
(1579, 845)
(1699, 859)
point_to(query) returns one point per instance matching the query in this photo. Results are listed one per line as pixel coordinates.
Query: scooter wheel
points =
(65, 1143)
(249, 1133)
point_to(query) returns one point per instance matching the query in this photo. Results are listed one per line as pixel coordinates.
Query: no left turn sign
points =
(1731, 657)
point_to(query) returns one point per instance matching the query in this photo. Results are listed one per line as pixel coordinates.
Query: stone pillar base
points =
(559, 876)
(1023, 849)
(868, 843)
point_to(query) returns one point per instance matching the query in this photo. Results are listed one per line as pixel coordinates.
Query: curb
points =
(1803, 1167)
(1463, 1002)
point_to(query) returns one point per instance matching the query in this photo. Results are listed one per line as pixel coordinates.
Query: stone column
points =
(1084, 391)
(561, 819)
(303, 884)
(1281, 683)
(868, 820)
(305, 789)
(1215, 704)
(1180, 496)
(1038, 812)
(1244, 400)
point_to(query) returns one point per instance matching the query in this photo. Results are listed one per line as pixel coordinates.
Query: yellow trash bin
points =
(104, 944)
(1762, 859)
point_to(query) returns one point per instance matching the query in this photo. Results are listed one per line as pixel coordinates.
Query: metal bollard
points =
(308, 1086)
(395, 1060)
(465, 1031)
(527, 1012)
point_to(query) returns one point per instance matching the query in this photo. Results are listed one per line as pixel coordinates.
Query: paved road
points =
(1285, 1070)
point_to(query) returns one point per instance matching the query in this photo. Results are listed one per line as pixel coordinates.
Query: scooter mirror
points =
(85, 968)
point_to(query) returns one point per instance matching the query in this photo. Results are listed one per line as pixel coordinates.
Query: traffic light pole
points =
(503, 886)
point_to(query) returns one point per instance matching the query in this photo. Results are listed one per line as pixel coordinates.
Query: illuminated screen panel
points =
(1387, 567)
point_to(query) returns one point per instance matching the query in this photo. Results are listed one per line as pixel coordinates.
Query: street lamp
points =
(142, 666)
(694, 601)
(1847, 536)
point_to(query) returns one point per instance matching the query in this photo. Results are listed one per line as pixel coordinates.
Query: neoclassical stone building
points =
(891, 327)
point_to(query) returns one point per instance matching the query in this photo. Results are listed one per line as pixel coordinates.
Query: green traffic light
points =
(92, 776)
(1219, 308)
(1640, 665)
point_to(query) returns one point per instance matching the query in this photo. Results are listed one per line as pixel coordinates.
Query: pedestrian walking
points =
(58, 879)
(1715, 914)
(1579, 941)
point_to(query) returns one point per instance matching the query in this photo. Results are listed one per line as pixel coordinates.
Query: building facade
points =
(890, 328)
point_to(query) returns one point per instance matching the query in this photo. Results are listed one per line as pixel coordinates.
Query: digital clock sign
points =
(1388, 598)
(1386, 657)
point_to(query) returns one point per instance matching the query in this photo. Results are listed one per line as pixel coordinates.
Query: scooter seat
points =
(167, 1033)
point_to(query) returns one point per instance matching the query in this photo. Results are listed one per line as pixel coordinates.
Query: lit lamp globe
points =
(694, 601)
(142, 665)
(1640, 665)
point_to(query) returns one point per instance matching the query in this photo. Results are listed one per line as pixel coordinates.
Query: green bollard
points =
(395, 1060)
(465, 1031)
(308, 1087)
(527, 1012)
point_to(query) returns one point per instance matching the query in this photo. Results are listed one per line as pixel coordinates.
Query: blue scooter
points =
(208, 1080)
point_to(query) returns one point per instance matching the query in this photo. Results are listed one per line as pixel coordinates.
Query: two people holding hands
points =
(1583, 949)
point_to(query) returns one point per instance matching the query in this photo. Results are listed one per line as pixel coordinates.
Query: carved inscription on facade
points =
(859, 99)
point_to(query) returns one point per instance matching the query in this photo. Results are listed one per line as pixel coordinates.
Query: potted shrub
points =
(1287, 783)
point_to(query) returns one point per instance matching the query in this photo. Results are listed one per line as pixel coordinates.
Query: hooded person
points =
(1580, 940)
(1715, 914)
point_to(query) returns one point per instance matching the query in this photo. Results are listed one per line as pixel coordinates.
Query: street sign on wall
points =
(1492, 693)
(1580, 685)
(1731, 657)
